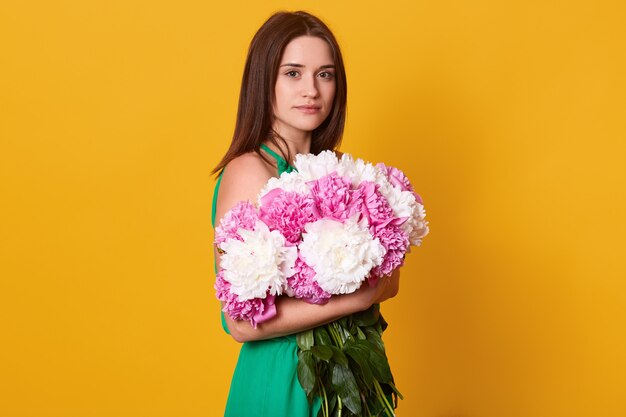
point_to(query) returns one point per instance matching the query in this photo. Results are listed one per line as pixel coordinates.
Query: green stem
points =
(383, 399)
(341, 332)
(338, 335)
(325, 407)
(340, 406)
(335, 334)
(366, 409)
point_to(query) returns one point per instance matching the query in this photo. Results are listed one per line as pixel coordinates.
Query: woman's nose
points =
(309, 88)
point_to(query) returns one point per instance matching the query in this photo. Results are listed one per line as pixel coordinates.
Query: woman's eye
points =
(291, 73)
(326, 74)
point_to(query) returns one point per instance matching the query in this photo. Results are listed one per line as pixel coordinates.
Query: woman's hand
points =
(392, 286)
(384, 289)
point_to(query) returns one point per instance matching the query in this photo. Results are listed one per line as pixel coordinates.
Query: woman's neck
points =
(293, 145)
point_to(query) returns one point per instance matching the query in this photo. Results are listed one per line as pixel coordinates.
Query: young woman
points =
(292, 100)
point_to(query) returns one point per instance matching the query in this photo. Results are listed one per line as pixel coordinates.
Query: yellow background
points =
(509, 117)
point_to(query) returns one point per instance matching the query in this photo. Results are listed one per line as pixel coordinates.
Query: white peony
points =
(259, 263)
(312, 167)
(404, 204)
(288, 181)
(358, 171)
(417, 226)
(341, 254)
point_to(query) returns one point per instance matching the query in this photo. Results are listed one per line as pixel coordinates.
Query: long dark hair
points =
(255, 114)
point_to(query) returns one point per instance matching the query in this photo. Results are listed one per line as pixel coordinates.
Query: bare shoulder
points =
(242, 180)
(247, 163)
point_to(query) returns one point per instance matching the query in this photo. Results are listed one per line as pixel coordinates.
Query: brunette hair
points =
(255, 114)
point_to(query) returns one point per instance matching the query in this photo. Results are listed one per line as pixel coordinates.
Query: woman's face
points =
(305, 87)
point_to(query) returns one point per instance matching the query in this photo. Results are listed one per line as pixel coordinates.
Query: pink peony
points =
(397, 178)
(242, 216)
(304, 286)
(334, 197)
(375, 208)
(396, 243)
(384, 226)
(255, 310)
(287, 212)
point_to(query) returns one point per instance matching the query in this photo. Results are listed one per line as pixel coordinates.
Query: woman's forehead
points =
(309, 50)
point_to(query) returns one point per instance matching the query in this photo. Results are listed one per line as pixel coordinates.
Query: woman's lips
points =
(308, 109)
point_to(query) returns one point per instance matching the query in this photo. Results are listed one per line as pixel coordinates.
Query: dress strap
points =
(283, 166)
(214, 205)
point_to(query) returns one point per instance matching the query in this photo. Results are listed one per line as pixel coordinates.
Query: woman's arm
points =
(242, 180)
(294, 315)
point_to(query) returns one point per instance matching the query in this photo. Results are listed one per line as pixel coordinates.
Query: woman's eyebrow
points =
(289, 64)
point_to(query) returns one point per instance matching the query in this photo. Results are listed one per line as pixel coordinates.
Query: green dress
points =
(265, 382)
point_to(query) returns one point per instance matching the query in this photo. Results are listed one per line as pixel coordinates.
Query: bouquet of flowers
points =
(323, 229)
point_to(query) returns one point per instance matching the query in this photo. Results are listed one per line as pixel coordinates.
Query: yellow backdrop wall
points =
(508, 117)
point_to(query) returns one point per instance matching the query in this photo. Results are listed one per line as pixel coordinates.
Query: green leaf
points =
(395, 390)
(345, 385)
(376, 407)
(306, 371)
(380, 366)
(383, 323)
(359, 334)
(332, 402)
(322, 352)
(368, 317)
(359, 352)
(305, 340)
(374, 338)
(339, 356)
(322, 337)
